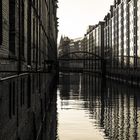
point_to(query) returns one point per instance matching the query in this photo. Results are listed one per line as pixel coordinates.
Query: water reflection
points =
(49, 129)
(88, 109)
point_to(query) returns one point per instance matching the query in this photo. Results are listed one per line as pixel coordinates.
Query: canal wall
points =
(127, 77)
(24, 100)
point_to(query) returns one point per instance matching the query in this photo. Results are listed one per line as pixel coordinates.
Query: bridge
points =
(81, 61)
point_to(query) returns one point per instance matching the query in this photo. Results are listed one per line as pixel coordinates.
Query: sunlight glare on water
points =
(73, 120)
(89, 108)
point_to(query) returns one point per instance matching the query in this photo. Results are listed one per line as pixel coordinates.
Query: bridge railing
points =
(91, 62)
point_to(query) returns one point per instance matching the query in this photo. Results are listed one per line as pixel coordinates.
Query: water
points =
(74, 119)
(89, 109)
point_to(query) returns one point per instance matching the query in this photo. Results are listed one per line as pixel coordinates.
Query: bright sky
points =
(75, 15)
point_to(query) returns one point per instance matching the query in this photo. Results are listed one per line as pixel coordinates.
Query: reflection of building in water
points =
(49, 130)
(115, 107)
(69, 84)
(64, 81)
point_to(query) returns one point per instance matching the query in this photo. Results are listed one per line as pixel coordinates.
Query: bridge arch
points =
(84, 55)
(90, 62)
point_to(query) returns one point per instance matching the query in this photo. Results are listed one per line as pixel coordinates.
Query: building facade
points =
(93, 41)
(119, 36)
(28, 41)
(69, 51)
(122, 23)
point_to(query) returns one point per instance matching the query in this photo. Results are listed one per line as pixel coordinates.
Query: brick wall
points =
(24, 42)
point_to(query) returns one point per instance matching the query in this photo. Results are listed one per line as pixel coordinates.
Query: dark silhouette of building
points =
(28, 51)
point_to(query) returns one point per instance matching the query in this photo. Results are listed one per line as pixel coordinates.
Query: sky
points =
(75, 15)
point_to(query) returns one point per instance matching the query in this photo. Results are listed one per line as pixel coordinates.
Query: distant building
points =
(95, 39)
(64, 49)
(64, 46)
(67, 45)
(94, 44)
(75, 44)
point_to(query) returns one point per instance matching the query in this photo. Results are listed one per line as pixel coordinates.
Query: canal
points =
(88, 108)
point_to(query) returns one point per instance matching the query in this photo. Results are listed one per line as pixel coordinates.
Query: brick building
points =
(94, 44)
(68, 46)
(28, 41)
(119, 36)
(122, 39)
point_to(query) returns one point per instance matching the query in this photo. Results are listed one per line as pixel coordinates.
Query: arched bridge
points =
(81, 61)
(79, 55)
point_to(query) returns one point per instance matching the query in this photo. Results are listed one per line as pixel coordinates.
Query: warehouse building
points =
(28, 51)
(117, 40)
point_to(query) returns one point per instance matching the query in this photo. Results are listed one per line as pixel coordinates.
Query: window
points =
(0, 22)
(29, 33)
(12, 28)
(22, 28)
(33, 36)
